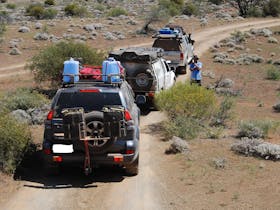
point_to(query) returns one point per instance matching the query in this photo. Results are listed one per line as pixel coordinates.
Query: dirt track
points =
(109, 189)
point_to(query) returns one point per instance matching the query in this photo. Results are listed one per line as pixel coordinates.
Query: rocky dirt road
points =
(109, 188)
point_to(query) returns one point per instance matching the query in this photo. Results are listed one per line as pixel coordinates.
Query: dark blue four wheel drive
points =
(92, 124)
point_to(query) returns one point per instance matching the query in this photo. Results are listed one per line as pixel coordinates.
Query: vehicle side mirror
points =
(172, 68)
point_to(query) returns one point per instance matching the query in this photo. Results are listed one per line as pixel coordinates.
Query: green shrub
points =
(171, 7)
(49, 2)
(217, 2)
(273, 73)
(49, 13)
(2, 29)
(187, 100)
(272, 8)
(190, 9)
(75, 10)
(189, 108)
(100, 7)
(15, 140)
(47, 65)
(224, 112)
(22, 99)
(35, 10)
(11, 6)
(255, 12)
(180, 126)
(117, 11)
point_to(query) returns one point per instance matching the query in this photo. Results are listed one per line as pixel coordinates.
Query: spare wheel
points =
(95, 129)
(142, 80)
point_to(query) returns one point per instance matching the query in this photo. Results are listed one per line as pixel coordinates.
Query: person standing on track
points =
(195, 67)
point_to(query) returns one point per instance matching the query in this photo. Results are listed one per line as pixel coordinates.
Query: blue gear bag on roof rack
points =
(113, 68)
(168, 31)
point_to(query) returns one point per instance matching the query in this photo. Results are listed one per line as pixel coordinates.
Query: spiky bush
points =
(47, 65)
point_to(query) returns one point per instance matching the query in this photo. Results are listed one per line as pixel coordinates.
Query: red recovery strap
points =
(87, 167)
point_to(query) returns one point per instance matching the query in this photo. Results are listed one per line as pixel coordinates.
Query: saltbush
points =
(47, 65)
(117, 11)
(15, 139)
(273, 73)
(256, 128)
(22, 98)
(75, 10)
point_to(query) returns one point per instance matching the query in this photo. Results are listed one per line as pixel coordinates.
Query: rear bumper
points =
(76, 159)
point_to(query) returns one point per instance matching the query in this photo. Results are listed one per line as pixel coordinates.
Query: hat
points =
(195, 57)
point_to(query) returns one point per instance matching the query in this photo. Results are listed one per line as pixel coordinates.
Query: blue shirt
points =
(196, 74)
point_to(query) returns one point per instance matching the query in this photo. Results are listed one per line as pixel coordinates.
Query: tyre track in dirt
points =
(110, 189)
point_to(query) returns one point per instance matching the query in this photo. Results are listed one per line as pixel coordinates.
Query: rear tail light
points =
(57, 159)
(129, 152)
(127, 115)
(47, 151)
(151, 94)
(50, 115)
(118, 159)
(181, 56)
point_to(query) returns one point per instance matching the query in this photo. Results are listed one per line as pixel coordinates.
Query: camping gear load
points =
(168, 31)
(74, 123)
(111, 70)
(137, 54)
(91, 72)
(71, 71)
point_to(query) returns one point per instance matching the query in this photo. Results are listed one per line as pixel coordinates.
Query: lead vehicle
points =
(91, 124)
(146, 71)
(178, 47)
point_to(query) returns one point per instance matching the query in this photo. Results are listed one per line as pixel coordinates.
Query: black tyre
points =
(95, 128)
(132, 169)
(141, 79)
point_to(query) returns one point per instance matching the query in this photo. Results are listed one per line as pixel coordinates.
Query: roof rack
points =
(110, 80)
(137, 54)
(168, 32)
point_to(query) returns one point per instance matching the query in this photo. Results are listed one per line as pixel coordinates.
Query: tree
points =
(47, 65)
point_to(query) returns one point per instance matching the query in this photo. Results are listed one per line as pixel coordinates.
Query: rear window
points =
(89, 101)
(167, 44)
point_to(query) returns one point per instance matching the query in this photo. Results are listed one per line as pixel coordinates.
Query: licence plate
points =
(62, 148)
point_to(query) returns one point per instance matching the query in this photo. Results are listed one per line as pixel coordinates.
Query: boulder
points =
(15, 51)
(272, 40)
(38, 25)
(41, 36)
(24, 29)
(177, 145)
